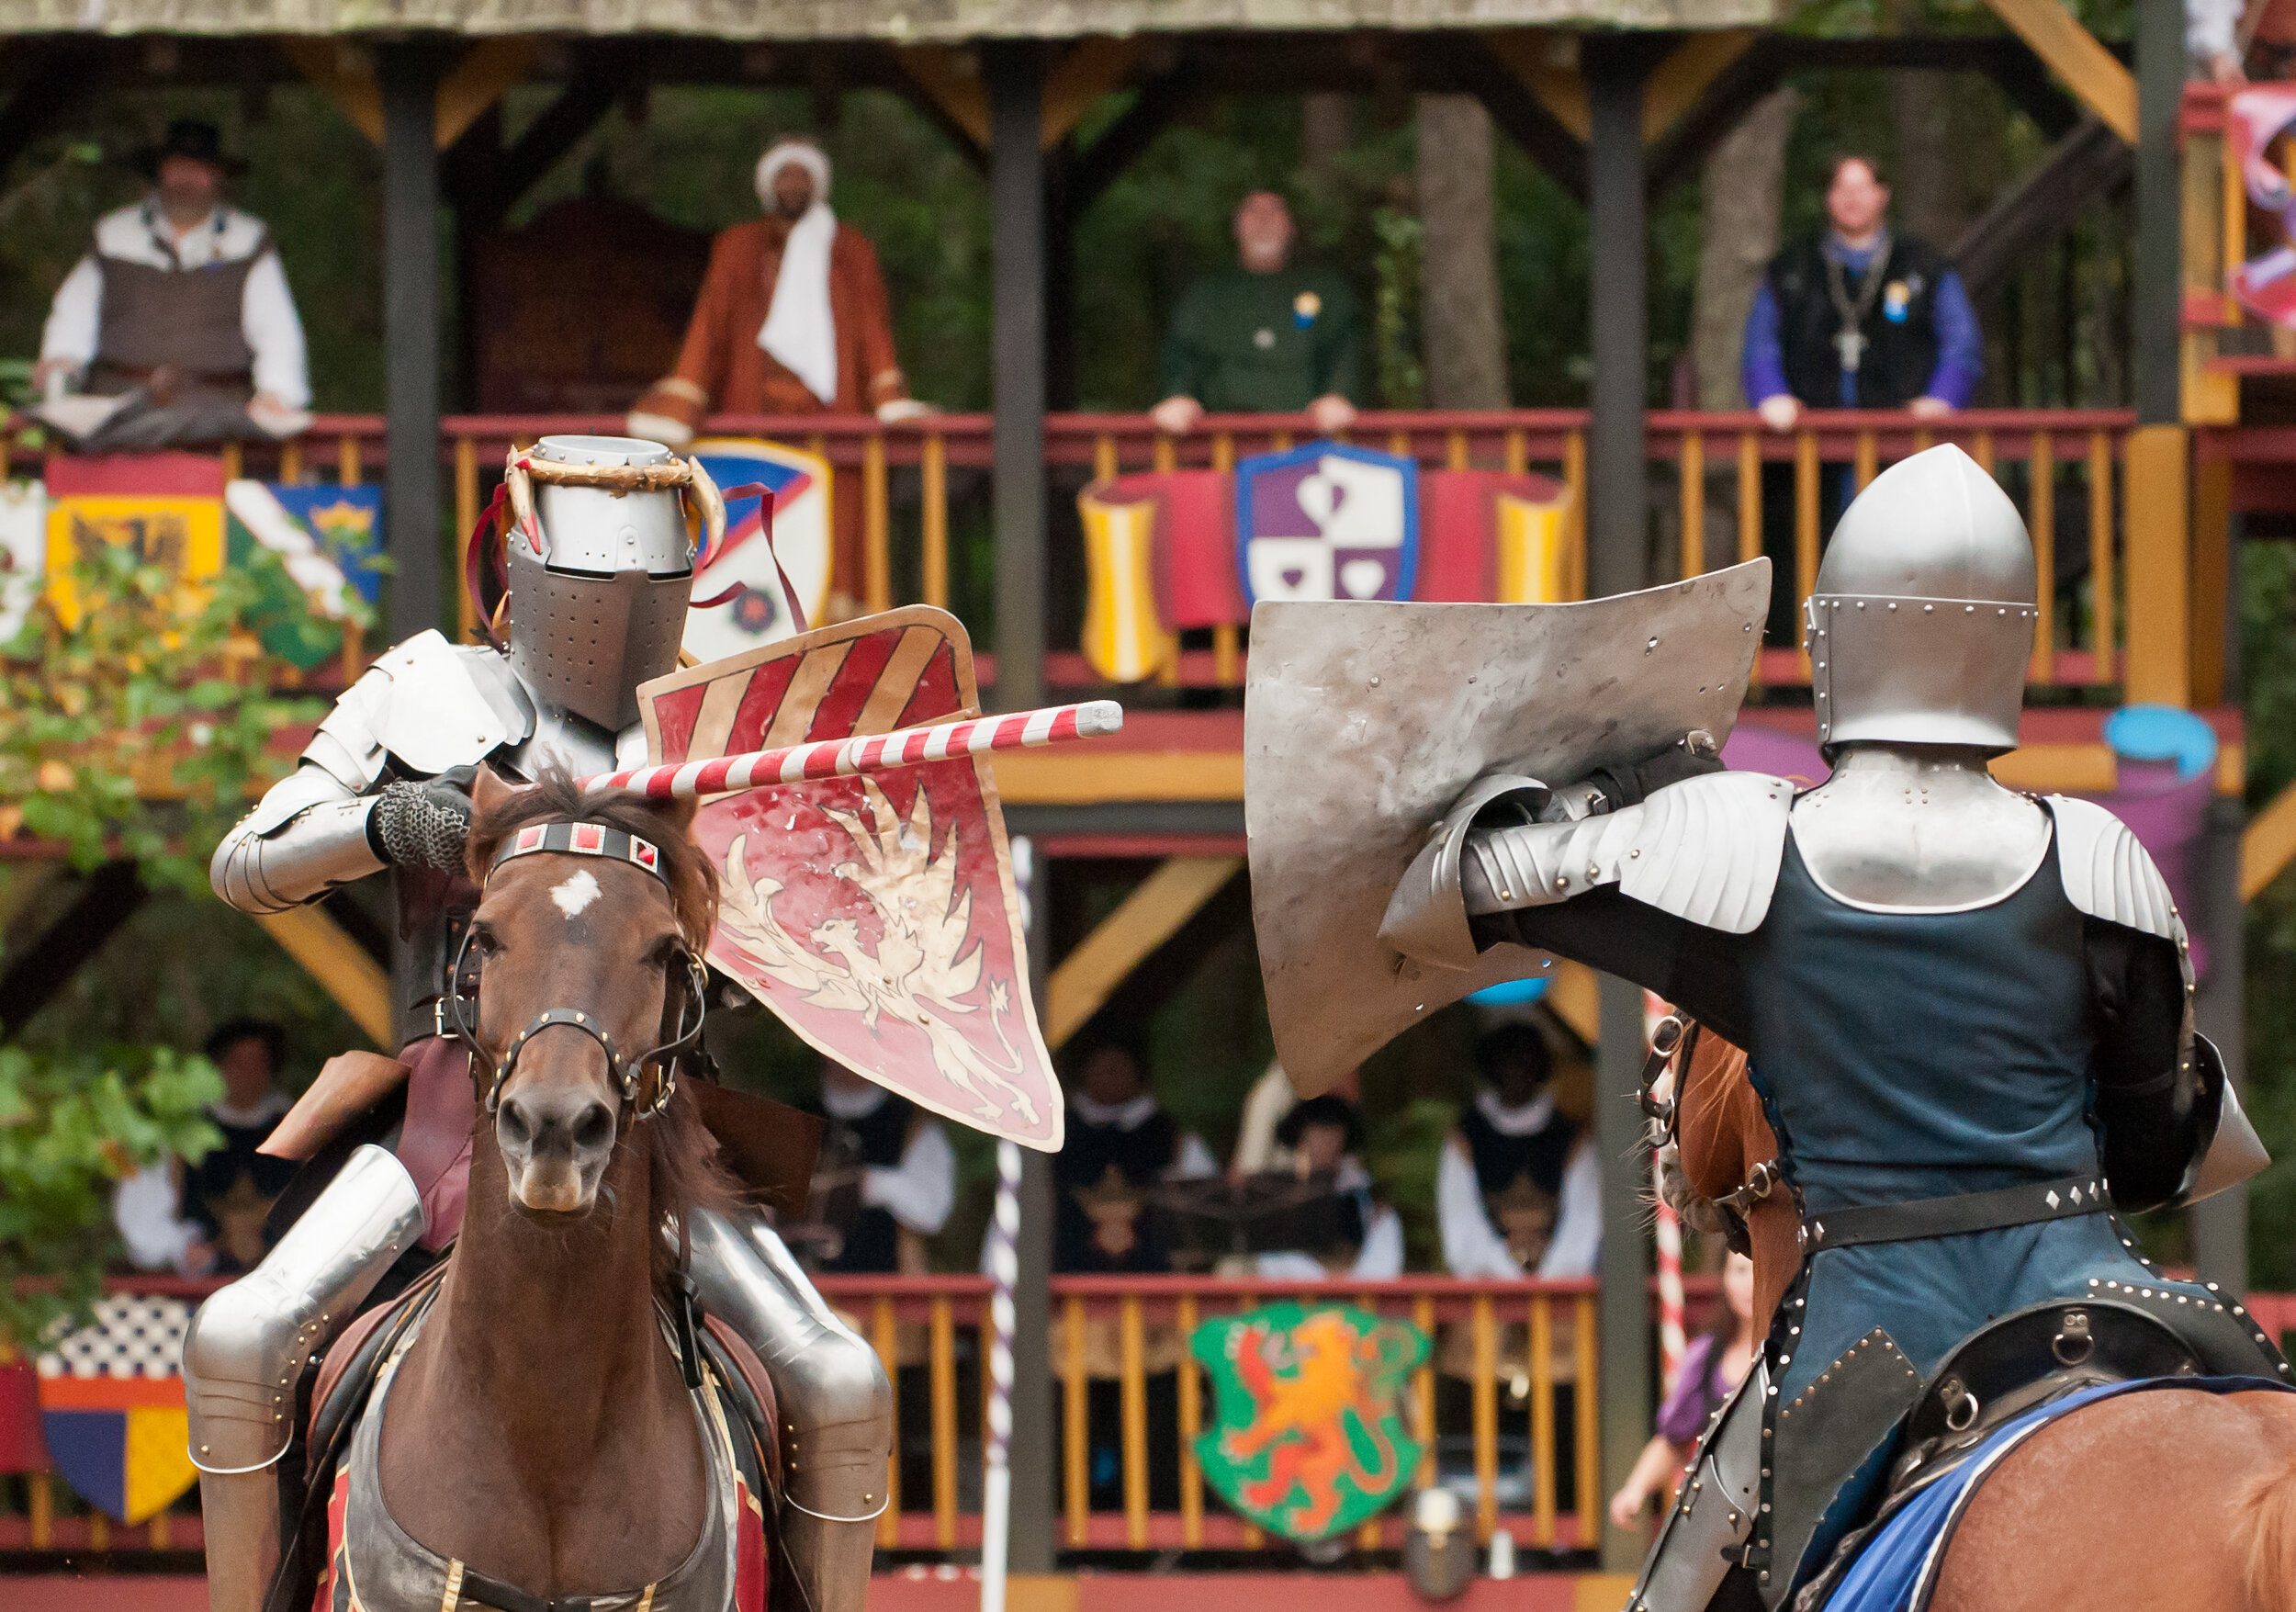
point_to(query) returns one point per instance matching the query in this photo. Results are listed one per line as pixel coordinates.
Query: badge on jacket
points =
(1304, 309)
(1897, 298)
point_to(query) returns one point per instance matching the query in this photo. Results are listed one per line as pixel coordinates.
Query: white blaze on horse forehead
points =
(575, 892)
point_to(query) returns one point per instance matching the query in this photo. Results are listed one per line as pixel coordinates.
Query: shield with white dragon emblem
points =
(877, 915)
(1309, 1440)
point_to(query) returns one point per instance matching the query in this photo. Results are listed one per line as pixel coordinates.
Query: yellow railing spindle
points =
(1076, 1443)
(1223, 452)
(1423, 1393)
(2102, 594)
(159, 1533)
(2043, 524)
(1587, 1423)
(1486, 1405)
(41, 1494)
(1455, 450)
(944, 1393)
(1543, 1474)
(1749, 495)
(1518, 453)
(1982, 451)
(933, 469)
(1280, 442)
(1103, 455)
(1165, 455)
(466, 519)
(1227, 655)
(1694, 472)
(234, 461)
(1574, 478)
(1191, 1424)
(1806, 491)
(347, 459)
(1132, 1358)
(876, 526)
(1399, 444)
(885, 1338)
(1869, 458)
(291, 460)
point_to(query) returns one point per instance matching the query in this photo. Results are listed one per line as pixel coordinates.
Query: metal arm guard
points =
(1714, 1515)
(308, 834)
(247, 1348)
(834, 1402)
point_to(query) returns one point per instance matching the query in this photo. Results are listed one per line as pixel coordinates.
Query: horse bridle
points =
(1674, 1041)
(458, 1007)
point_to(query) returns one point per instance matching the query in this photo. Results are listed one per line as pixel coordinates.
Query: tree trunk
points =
(1929, 189)
(1327, 130)
(1744, 188)
(1462, 337)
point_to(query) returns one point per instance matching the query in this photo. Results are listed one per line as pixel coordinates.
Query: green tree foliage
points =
(72, 1124)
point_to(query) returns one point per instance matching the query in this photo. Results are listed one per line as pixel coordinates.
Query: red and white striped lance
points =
(876, 752)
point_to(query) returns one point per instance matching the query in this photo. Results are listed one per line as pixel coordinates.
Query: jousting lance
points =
(876, 752)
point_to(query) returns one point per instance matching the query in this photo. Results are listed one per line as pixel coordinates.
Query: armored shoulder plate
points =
(428, 705)
(2107, 872)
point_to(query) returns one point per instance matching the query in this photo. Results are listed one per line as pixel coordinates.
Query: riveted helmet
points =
(598, 605)
(1923, 620)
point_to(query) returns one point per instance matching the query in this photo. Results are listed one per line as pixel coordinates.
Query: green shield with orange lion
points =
(1309, 1440)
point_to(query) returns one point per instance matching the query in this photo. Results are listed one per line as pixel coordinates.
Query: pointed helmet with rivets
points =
(1922, 623)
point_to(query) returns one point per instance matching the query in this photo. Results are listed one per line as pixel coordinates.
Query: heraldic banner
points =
(1309, 1438)
(1169, 550)
(167, 508)
(877, 915)
(798, 537)
(111, 1406)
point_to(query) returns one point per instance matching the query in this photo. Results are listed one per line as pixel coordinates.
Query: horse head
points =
(581, 982)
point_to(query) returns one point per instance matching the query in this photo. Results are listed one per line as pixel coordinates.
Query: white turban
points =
(799, 329)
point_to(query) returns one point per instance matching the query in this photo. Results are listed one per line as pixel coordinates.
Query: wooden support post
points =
(324, 950)
(945, 75)
(1015, 75)
(2267, 844)
(2158, 567)
(2212, 602)
(1143, 920)
(1682, 80)
(2156, 303)
(2092, 72)
(1033, 1455)
(1090, 69)
(1619, 562)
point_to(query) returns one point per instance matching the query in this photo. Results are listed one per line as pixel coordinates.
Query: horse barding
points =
(2128, 1500)
(554, 1417)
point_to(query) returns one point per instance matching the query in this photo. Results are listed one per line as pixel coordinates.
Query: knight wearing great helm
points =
(599, 582)
(1968, 1010)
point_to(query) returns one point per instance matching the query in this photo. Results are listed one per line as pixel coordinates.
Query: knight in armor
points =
(1518, 1191)
(599, 582)
(887, 1178)
(1968, 1010)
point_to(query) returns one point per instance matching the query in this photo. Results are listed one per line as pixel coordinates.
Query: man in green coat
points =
(1263, 337)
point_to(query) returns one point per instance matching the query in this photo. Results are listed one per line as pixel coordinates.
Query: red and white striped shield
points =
(875, 915)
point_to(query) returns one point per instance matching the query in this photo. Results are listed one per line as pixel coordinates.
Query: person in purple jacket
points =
(1713, 1366)
(1854, 317)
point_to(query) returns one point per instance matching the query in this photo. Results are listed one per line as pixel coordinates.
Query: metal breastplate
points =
(1899, 830)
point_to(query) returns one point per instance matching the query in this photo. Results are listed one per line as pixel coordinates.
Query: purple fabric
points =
(1754, 749)
(2166, 814)
(1698, 1393)
(1960, 345)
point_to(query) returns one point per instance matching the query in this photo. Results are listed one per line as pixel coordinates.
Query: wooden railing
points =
(1506, 1408)
(1722, 488)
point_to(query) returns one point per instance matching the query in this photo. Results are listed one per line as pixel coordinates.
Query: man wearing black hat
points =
(180, 311)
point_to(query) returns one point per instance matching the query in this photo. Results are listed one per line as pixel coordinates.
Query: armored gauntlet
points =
(421, 825)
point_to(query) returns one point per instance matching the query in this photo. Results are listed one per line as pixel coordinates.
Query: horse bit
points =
(1674, 1042)
(458, 1005)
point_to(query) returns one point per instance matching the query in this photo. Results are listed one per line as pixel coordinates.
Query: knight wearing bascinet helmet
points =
(1968, 1010)
(600, 582)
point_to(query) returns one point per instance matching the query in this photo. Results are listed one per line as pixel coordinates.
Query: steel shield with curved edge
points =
(1363, 722)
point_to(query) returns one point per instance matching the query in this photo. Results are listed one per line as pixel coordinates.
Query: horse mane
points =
(685, 1168)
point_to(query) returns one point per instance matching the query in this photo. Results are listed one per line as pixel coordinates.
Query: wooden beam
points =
(480, 79)
(24, 881)
(2267, 844)
(484, 186)
(2093, 74)
(1092, 68)
(1677, 84)
(1121, 144)
(2158, 566)
(1537, 113)
(2086, 166)
(57, 77)
(108, 898)
(324, 950)
(1529, 57)
(948, 77)
(1575, 998)
(1142, 921)
(346, 74)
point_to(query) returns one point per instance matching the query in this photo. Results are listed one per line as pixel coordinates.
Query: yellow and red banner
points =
(167, 508)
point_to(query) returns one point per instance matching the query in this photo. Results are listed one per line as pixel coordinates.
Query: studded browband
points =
(583, 840)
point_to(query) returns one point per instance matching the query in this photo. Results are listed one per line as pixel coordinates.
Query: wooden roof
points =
(891, 20)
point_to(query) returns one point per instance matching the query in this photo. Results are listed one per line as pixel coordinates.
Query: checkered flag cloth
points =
(133, 1335)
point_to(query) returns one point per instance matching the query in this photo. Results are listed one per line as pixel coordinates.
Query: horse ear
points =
(677, 815)
(490, 792)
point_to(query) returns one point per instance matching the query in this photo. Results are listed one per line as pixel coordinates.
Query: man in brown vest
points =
(179, 314)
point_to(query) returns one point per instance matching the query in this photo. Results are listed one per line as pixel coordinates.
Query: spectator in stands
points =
(1321, 1137)
(1266, 337)
(1517, 1191)
(178, 327)
(229, 1193)
(887, 1179)
(793, 319)
(1257, 1147)
(1120, 1142)
(2232, 41)
(1713, 1366)
(1856, 318)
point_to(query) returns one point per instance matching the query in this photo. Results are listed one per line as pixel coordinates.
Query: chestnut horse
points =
(2143, 1502)
(540, 1430)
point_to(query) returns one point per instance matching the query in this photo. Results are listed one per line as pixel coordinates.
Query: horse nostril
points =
(515, 1127)
(594, 1128)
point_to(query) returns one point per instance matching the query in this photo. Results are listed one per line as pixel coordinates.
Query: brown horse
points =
(2144, 1503)
(539, 1429)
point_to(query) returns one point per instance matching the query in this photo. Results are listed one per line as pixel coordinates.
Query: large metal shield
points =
(876, 916)
(1363, 722)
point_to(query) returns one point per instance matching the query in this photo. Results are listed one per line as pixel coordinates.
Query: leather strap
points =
(1946, 1217)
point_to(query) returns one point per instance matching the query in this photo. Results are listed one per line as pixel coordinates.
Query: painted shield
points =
(111, 1404)
(1310, 1439)
(1327, 522)
(876, 916)
(798, 484)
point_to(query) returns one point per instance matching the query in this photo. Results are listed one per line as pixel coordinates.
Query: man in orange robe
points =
(793, 319)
